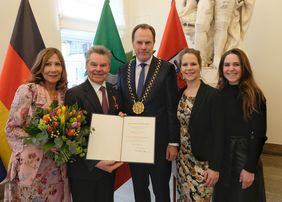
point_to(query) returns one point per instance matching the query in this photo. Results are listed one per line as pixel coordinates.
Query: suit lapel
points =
(150, 74)
(132, 77)
(92, 98)
(198, 100)
(151, 71)
(113, 105)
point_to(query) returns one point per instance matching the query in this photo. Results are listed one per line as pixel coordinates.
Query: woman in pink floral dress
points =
(33, 176)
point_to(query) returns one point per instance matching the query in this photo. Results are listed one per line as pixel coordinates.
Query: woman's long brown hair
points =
(250, 93)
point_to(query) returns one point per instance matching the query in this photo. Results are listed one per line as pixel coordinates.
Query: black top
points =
(233, 112)
(254, 129)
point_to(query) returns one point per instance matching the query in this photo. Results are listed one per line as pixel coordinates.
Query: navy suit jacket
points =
(87, 99)
(206, 126)
(160, 103)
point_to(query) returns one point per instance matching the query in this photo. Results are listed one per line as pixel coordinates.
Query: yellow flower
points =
(63, 119)
(64, 109)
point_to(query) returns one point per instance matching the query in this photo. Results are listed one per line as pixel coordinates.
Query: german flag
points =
(25, 43)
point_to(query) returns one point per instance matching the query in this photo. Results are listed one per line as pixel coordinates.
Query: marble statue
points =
(215, 26)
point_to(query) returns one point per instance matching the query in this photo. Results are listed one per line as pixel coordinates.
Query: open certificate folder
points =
(128, 139)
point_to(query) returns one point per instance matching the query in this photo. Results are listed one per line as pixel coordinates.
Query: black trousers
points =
(98, 190)
(160, 175)
(229, 189)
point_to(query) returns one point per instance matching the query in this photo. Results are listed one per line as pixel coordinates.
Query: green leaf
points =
(32, 130)
(58, 142)
(54, 104)
(48, 146)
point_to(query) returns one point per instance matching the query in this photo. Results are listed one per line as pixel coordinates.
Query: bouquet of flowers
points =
(60, 132)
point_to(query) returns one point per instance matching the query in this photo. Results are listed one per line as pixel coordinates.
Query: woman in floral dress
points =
(33, 176)
(201, 133)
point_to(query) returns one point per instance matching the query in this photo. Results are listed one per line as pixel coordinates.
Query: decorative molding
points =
(274, 149)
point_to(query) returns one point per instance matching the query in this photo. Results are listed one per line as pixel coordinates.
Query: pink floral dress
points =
(31, 175)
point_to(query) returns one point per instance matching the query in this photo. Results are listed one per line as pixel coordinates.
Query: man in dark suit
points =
(93, 180)
(147, 86)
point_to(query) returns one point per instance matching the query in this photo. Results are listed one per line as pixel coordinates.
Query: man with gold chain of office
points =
(147, 86)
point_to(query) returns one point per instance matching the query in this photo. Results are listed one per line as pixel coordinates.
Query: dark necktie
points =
(105, 105)
(141, 80)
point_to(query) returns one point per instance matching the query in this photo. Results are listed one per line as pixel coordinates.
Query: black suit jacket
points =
(258, 126)
(206, 126)
(87, 99)
(160, 103)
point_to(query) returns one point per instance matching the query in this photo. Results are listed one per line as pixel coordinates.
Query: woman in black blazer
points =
(201, 119)
(245, 131)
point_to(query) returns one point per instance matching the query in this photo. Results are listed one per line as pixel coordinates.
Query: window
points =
(74, 45)
(78, 23)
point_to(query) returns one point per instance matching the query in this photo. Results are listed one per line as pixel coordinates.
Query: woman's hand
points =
(246, 178)
(171, 152)
(211, 177)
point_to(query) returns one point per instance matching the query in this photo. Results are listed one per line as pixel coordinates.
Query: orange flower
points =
(46, 118)
(59, 111)
(71, 132)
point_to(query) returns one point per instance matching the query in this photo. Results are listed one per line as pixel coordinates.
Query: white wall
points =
(263, 45)
(263, 41)
(153, 12)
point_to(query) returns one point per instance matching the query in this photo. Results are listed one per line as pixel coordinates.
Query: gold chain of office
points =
(138, 105)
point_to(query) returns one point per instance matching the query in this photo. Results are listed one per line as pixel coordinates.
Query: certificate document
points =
(128, 139)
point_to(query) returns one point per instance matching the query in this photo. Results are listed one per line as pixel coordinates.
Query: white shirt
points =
(96, 88)
(138, 70)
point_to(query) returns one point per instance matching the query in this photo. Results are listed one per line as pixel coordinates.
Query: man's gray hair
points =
(99, 49)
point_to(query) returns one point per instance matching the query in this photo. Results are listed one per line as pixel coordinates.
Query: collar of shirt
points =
(96, 88)
(138, 69)
(148, 62)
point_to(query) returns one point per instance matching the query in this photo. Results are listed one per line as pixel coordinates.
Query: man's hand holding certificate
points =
(128, 139)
